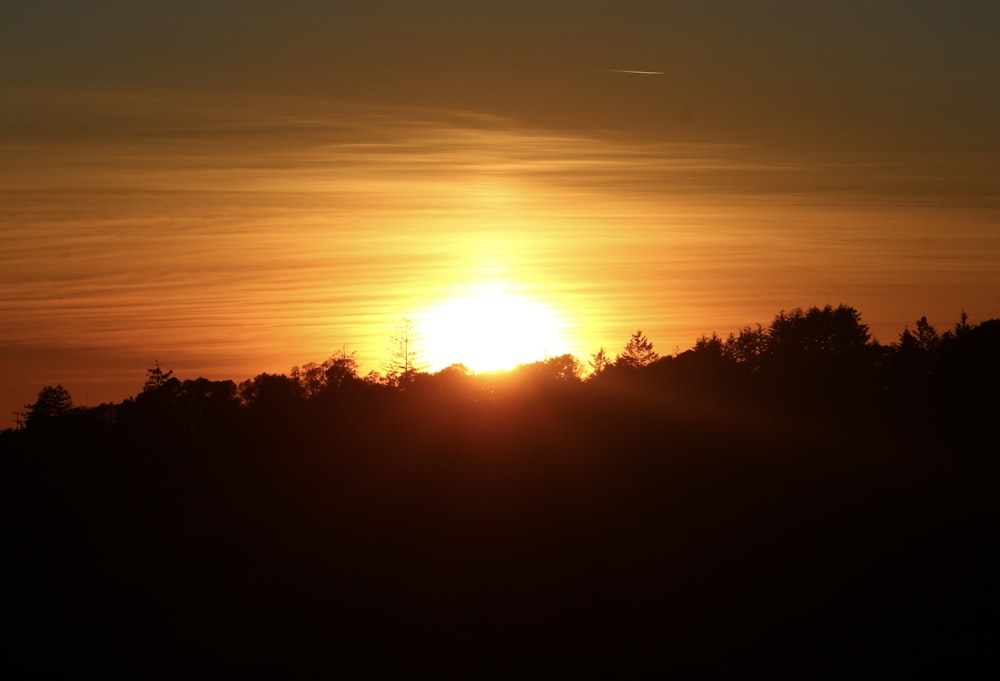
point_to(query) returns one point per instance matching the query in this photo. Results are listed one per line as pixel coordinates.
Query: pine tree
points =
(599, 361)
(52, 403)
(404, 354)
(638, 352)
(156, 378)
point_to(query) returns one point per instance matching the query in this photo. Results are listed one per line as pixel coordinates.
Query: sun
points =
(490, 328)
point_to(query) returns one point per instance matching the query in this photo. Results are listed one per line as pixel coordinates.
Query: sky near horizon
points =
(232, 188)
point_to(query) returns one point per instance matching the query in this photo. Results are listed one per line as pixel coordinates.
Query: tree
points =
(563, 368)
(962, 327)
(341, 369)
(710, 345)
(747, 347)
(907, 343)
(404, 354)
(927, 336)
(818, 331)
(925, 339)
(599, 361)
(337, 370)
(156, 378)
(638, 352)
(821, 359)
(312, 378)
(52, 403)
(276, 393)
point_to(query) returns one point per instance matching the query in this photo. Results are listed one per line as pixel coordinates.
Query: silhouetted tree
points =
(710, 345)
(456, 369)
(404, 354)
(453, 384)
(748, 347)
(962, 326)
(907, 343)
(209, 396)
(927, 336)
(827, 330)
(638, 352)
(271, 391)
(332, 375)
(156, 378)
(599, 362)
(563, 368)
(52, 403)
(341, 369)
(312, 378)
(820, 360)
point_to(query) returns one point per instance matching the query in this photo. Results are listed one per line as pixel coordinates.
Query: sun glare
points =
(490, 329)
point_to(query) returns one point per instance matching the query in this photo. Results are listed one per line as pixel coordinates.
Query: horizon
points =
(231, 192)
(396, 351)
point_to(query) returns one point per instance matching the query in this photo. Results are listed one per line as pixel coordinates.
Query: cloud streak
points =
(635, 72)
(306, 226)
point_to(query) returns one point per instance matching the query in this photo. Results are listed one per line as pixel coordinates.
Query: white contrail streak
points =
(641, 73)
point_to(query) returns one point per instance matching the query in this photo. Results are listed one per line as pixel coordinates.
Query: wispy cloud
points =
(243, 236)
(635, 72)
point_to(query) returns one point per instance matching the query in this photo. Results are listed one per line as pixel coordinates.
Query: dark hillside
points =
(818, 515)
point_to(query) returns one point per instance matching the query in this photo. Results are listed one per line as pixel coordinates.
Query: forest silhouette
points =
(795, 497)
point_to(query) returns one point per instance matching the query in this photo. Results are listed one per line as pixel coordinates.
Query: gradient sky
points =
(238, 187)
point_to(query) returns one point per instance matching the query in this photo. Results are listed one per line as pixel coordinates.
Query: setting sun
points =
(490, 328)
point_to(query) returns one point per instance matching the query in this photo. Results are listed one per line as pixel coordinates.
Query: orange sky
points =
(229, 190)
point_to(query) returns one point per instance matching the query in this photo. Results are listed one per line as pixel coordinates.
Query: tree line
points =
(794, 496)
(820, 357)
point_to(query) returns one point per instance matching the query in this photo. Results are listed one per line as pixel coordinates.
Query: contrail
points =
(641, 73)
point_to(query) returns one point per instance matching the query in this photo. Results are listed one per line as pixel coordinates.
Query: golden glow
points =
(277, 243)
(489, 328)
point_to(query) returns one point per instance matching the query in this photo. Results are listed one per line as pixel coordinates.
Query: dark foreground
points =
(565, 536)
(806, 509)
